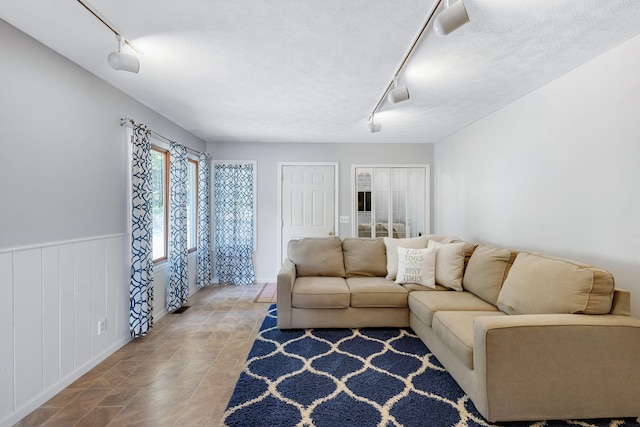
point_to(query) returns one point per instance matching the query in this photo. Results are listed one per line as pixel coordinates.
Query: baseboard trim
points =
(56, 388)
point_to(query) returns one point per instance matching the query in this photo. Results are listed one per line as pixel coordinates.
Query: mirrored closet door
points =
(390, 200)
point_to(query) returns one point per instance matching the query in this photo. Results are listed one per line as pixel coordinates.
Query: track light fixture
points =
(451, 18)
(117, 60)
(398, 93)
(374, 126)
(123, 61)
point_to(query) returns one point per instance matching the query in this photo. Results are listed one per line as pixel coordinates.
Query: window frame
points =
(196, 203)
(167, 156)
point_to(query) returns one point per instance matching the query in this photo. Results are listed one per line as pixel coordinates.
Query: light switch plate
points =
(344, 220)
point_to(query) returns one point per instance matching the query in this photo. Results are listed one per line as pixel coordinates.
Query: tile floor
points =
(181, 374)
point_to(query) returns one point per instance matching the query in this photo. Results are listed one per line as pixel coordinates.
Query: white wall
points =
(268, 156)
(63, 228)
(556, 171)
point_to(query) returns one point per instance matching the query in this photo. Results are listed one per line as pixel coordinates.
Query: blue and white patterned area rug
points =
(353, 378)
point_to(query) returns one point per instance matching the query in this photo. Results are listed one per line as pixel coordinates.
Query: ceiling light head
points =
(398, 94)
(374, 126)
(450, 19)
(122, 61)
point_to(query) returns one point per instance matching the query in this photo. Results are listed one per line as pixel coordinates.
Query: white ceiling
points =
(312, 71)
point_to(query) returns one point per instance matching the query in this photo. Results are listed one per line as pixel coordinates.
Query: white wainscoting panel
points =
(67, 304)
(121, 324)
(55, 295)
(82, 298)
(98, 295)
(50, 316)
(6, 336)
(28, 326)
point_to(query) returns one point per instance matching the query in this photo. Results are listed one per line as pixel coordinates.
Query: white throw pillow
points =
(449, 264)
(417, 266)
(392, 251)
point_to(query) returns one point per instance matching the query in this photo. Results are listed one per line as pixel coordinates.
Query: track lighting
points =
(451, 18)
(374, 126)
(123, 61)
(398, 93)
(392, 92)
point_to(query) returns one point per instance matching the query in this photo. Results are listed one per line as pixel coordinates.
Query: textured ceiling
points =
(312, 71)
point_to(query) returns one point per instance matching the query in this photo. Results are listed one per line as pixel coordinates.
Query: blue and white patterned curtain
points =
(141, 283)
(203, 259)
(234, 223)
(178, 289)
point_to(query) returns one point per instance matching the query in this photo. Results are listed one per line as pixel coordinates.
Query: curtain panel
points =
(178, 288)
(141, 280)
(203, 256)
(234, 223)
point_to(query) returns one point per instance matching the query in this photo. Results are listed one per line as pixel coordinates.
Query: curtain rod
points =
(128, 121)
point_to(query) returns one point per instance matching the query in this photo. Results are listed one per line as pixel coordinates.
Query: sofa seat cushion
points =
(320, 292)
(376, 292)
(415, 287)
(317, 256)
(538, 284)
(424, 304)
(364, 256)
(455, 330)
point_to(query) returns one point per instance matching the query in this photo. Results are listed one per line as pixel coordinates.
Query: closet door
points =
(381, 202)
(390, 201)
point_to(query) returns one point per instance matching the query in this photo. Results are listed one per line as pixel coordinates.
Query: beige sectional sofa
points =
(526, 336)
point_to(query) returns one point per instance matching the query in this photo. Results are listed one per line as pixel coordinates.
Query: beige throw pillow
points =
(449, 263)
(392, 251)
(417, 266)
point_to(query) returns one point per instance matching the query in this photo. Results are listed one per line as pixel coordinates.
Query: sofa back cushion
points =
(364, 257)
(537, 284)
(317, 256)
(486, 272)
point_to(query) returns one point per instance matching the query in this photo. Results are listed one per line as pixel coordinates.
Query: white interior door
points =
(308, 205)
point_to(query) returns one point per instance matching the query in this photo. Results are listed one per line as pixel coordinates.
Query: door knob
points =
(331, 233)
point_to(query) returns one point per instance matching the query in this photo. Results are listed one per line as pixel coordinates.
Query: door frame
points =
(336, 186)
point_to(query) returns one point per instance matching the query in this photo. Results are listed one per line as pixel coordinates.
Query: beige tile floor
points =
(181, 374)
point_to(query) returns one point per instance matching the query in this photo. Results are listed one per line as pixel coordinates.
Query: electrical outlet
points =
(102, 326)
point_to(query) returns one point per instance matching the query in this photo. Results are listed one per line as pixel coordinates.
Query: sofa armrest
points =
(562, 363)
(621, 303)
(286, 279)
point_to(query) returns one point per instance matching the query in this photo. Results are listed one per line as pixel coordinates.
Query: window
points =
(160, 189)
(192, 205)
(160, 159)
